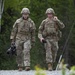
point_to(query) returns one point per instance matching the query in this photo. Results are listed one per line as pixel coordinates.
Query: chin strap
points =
(24, 18)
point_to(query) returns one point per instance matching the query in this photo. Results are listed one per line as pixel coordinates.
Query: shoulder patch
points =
(44, 21)
(18, 20)
(30, 20)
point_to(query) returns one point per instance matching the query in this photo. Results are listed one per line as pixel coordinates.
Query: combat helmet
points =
(50, 10)
(25, 10)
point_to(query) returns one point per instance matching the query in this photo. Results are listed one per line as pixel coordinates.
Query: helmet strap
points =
(24, 18)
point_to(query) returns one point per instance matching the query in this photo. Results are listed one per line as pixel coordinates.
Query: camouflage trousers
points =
(23, 53)
(51, 48)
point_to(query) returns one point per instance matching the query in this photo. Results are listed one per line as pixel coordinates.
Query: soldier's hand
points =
(12, 41)
(55, 18)
(43, 40)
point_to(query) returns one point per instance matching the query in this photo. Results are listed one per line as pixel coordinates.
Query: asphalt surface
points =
(31, 72)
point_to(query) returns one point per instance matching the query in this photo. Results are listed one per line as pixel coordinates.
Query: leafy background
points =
(65, 10)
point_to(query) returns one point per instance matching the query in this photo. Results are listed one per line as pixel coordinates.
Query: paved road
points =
(32, 72)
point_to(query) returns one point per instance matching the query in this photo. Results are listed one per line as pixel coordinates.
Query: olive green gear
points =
(25, 10)
(50, 10)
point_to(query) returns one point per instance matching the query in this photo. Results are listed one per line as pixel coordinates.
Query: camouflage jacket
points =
(23, 30)
(50, 27)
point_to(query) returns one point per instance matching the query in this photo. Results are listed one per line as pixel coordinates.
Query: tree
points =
(1, 10)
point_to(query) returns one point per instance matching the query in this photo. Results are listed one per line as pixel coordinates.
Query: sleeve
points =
(14, 31)
(33, 29)
(60, 24)
(41, 28)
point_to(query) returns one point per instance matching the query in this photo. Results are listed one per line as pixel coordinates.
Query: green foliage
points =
(65, 12)
(39, 71)
(0, 22)
(72, 70)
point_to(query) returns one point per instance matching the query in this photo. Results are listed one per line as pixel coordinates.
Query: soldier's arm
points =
(14, 32)
(41, 30)
(60, 23)
(33, 29)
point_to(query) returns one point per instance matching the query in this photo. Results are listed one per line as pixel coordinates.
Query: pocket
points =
(27, 44)
(51, 31)
(44, 33)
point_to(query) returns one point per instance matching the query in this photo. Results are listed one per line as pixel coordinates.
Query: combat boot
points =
(50, 67)
(27, 68)
(20, 68)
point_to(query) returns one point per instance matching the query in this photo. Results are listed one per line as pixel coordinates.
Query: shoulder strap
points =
(44, 23)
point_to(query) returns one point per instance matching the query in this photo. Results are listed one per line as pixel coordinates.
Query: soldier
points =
(49, 33)
(23, 34)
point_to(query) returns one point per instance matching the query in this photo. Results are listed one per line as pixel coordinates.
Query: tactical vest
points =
(51, 28)
(24, 27)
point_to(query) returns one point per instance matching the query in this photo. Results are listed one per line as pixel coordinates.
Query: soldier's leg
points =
(26, 52)
(49, 59)
(54, 50)
(48, 52)
(19, 52)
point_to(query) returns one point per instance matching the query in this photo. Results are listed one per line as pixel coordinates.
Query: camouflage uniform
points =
(49, 30)
(24, 35)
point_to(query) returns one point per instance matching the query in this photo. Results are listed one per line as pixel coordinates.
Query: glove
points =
(44, 41)
(12, 42)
